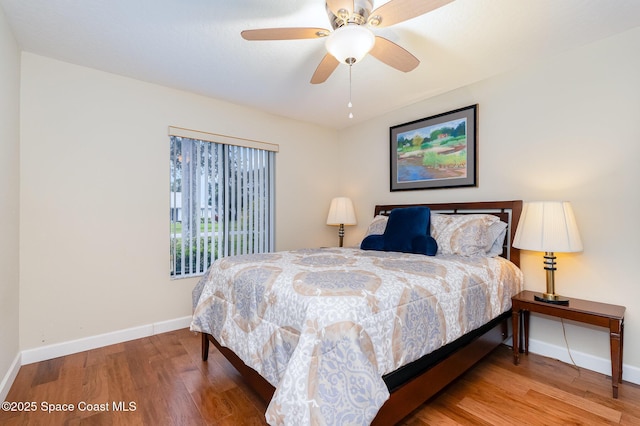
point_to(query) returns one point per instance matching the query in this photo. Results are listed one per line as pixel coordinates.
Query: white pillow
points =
(377, 225)
(468, 234)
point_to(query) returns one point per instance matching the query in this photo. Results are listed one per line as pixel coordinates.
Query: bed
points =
(351, 336)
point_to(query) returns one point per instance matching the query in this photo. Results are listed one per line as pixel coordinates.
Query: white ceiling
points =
(195, 45)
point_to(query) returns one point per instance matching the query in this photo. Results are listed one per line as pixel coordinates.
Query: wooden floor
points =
(161, 380)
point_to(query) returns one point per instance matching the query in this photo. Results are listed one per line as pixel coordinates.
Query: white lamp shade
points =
(341, 212)
(350, 41)
(548, 226)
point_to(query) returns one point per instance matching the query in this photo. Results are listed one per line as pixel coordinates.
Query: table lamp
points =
(341, 213)
(548, 226)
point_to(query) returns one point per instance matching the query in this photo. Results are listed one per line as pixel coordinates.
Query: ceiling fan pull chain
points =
(350, 105)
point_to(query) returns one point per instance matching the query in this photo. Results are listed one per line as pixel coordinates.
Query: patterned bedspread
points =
(323, 325)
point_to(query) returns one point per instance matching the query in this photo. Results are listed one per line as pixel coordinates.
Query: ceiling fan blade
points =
(335, 5)
(393, 55)
(397, 11)
(325, 68)
(284, 33)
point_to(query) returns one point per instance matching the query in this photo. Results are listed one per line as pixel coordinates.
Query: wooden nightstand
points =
(594, 313)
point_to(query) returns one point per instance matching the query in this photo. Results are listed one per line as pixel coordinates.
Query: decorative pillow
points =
(403, 226)
(377, 225)
(425, 244)
(373, 242)
(405, 230)
(468, 234)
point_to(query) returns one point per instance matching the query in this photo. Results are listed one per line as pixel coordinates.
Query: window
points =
(222, 199)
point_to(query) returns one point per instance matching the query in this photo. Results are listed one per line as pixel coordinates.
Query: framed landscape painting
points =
(435, 152)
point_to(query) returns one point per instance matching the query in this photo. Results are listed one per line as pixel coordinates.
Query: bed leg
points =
(205, 347)
(505, 329)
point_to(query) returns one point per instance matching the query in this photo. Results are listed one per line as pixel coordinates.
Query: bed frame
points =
(434, 374)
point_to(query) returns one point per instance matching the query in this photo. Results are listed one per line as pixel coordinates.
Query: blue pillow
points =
(407, 231)
(404, 225)
(424, 244)
(373, 242)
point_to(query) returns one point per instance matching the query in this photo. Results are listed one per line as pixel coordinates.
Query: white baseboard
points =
(8, 378)
(74, 346)
(583, 360)
(43, 353)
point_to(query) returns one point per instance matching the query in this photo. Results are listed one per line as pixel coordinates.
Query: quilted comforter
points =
(324, 325)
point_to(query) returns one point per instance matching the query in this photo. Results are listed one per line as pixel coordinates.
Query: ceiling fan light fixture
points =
(343, 14)
(350, 43)
(374, 20)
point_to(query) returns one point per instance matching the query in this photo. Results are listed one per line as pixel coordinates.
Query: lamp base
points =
(341, 233)
(552, 298)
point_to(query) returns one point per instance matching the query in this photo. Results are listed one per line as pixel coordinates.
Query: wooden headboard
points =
(508, 212)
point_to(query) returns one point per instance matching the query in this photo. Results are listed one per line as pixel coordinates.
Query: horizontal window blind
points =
(222, 202)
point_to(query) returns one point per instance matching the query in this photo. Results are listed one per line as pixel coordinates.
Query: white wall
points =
(9, 202)
(95, 196)
(566, 129)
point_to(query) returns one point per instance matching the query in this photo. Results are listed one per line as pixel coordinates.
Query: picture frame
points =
(435, 152)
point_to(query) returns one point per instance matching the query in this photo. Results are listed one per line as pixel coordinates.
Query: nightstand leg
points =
(515, 328)
(525, 321)
(621, 349)
(615, 334)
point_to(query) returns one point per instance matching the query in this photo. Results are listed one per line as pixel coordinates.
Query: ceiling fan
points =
(351, 38)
